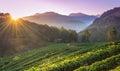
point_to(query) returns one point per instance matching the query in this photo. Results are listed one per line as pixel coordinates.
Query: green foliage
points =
(112, 34)
(103, 65)
(116, 69)
(85, 36)
(16, 58)
(60, 57)
(68, 35)
(87, 58)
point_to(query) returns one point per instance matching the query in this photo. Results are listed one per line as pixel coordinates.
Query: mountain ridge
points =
(101, 25)
(79, 14)
(77, 23)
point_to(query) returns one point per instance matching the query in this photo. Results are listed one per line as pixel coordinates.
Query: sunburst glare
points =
(15, 17)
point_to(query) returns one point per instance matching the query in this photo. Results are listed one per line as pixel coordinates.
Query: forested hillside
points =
(101, 27)
(20, 35)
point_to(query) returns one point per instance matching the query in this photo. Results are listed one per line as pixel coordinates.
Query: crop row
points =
(103, 65)
(80, 60)
(116, 69)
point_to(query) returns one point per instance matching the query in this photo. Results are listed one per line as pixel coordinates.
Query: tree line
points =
(111, 35)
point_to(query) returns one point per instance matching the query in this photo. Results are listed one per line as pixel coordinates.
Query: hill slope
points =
(100, 26)
(60, 57)
(20, 35)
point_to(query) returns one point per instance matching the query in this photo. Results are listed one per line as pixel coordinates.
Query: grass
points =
(60, 57)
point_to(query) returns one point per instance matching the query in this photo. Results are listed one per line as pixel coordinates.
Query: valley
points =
(60, 35)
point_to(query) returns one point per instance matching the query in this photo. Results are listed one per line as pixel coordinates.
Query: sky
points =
(20, 8)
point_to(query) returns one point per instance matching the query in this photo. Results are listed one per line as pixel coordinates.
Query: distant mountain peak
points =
(112, 12)
(47, 14)
(78, 14)
(37, 14)
(50, 13)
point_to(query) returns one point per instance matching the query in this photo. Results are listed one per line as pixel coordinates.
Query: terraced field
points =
(60, 57)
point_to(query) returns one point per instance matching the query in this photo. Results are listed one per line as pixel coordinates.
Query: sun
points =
(15, 18)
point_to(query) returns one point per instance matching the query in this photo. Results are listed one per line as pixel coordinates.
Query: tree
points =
(112, 34)
(64, 35)
(72, 35)
(54, 33)
(85, 36)
(68, 35)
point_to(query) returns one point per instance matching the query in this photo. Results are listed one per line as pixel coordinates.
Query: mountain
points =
(20, 35)
(100, 26)
(72, 21)
(78, 14)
